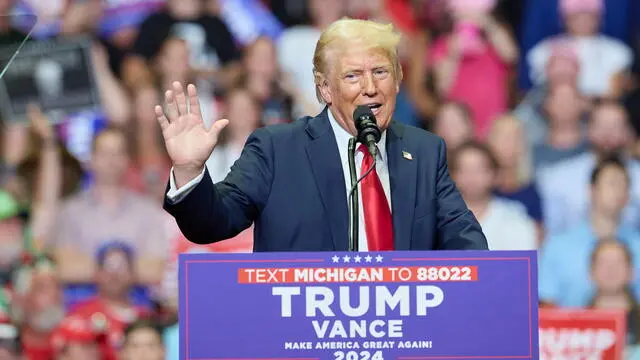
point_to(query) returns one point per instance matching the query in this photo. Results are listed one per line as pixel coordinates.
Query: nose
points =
(369, 87)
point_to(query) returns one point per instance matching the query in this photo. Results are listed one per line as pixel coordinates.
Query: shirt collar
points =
(343, 136)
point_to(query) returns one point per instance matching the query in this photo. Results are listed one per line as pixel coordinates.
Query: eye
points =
(350, 77)
(381, 72)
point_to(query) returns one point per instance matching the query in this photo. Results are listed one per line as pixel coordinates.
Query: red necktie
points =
(377, 215)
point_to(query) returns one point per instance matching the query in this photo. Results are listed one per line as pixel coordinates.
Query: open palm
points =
(188, 141)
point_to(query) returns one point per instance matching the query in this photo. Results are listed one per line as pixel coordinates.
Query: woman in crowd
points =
(612, 273)
(472, 61)
(514, 179)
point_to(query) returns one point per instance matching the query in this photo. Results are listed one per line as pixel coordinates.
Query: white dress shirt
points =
(342, 140)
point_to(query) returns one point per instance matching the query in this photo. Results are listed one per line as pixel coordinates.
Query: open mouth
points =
(375, 108)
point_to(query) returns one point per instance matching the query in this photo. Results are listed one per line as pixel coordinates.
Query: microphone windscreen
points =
(362, 110)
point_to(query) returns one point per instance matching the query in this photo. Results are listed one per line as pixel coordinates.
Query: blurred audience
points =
(274, 89)
(243, 112)
(504, 222)
(143, 341)
(565, 256)
(565, 136)
(212, 49)
(472, 61)
(79, 338)
(562, 68)
(113, 307)
(108, 210)
(38, 307)
(604, 61)
(612, 269)
(514, 179)
(563, 197)
(296, 47)
(555, 167)
(454, 123)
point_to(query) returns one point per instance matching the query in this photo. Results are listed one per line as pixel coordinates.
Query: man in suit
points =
(291, 180)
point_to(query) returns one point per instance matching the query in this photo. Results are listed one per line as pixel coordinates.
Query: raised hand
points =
(188, 142)
(39, 122)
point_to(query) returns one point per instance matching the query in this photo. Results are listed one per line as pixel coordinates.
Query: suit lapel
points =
(326, 165)
(402, 176)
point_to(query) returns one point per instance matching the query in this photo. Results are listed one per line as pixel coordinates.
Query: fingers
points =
(194, 102)
(217, 127)
(162, 119)
(180, 97)
(172, 106)
(34, 113)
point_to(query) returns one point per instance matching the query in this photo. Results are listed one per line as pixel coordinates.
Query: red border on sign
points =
(187, 262)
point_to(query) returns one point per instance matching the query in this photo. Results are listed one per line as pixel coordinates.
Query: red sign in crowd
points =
(582, 334)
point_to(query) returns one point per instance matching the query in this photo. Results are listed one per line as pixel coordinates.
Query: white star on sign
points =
(378, 258)
(367, 258)
(335, 259)
(357, 258)
(346, 258)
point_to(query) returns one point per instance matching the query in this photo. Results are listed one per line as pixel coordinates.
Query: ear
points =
(323, 88)
(399, 77)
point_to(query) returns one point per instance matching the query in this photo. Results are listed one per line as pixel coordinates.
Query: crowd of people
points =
(538, 102)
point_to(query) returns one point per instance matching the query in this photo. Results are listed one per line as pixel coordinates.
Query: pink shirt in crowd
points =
(481, 83)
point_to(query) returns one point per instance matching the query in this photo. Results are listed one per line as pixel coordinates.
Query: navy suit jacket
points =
(289, 181)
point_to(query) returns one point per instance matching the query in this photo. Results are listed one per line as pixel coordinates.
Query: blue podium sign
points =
(359, 306)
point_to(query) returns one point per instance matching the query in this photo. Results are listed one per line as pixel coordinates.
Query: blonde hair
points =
(344, 33)
(526, 161)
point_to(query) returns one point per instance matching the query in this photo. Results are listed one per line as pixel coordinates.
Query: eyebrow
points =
(360, 70)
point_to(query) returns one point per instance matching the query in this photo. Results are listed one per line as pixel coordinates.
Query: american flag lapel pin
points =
(407, 155)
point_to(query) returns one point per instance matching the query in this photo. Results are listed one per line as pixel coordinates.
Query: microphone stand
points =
(354, 218)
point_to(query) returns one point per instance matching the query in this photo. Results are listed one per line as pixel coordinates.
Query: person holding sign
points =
(293, 180)
(612, 270)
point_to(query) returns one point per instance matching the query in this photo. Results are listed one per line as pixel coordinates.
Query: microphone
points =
(368, 130)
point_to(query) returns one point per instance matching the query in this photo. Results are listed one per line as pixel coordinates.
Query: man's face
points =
(473, 175)
(583, 23)
(564, 105)
(243, 113)
(261, 59)
(609, 131)
(611, 270)
(115, 278)
(110, 160)
(453, 125)
(359, 76)
(611, 191)
(143, 344)
(44, 303)
(562, 70)
(174, 59)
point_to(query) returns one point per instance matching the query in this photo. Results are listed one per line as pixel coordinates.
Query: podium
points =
(359, 306)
